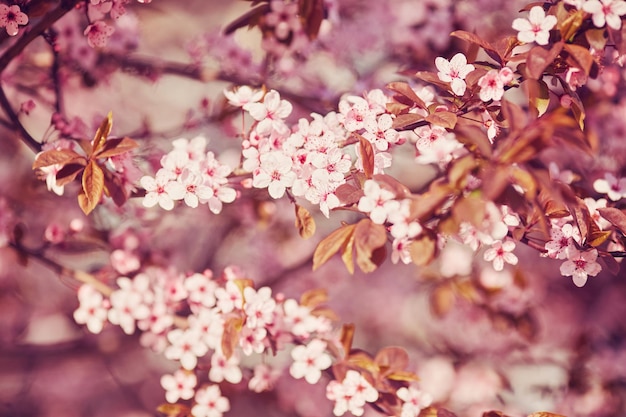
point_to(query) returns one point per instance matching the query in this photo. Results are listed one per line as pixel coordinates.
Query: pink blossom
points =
(562, 241)
(610, 185)
(162, 190)
(454, 72)
(310, 361)
(299, 319)
(492, 85)
(130, 302)
(243, 95)
(351, 394)
(92, 310)
(274, 173)
(270, 112)
(98, 34)
(209, 402)
(284, 18)
(414, 401)
(209, 323)
(180, 385)
(186, 346)
(355, 111)
(11, 17)
(580, 265)
(378, 202)
(536, 28)
(229, 297)
(51, 178)
(263, 379)
(259, 306)
(225, 369)
(606, 11)
(499, 253)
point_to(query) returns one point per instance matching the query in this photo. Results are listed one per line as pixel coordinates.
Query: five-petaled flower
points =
(501, 252)
(310, 361)
(454, 72)
(606, 12)
(536, 28)
(580, 265)
(11, 17)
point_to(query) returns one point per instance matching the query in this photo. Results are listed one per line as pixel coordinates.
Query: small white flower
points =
(536, 28)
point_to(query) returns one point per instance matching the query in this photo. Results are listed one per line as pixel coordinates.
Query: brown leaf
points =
(368, 236)
(347, 335)
(474, 139)
(408, 92)
(513, 115)
(431, 78)
(471, 209)
(615, 216)
(538, 96)
(597, 38)
(406, 121)
(571, 24)
(114, 188)
(117, 146)
(314, 298)
(304, 222)
(460, 170)
(442, 299)
(392, 358)
(312, 15)
(539, 58)
(367, 155)
(582, 56)
(445, 119)
(422, 250)
(348, 194)
(363, 360)
(388, 182)
(477, 40)
(346, 251)
(423, 206)
(405, 376)
(331, 244)
(174, 410)
(57, 156)
(102, 133)
(93, 187)
(230, 337)
(68, 173)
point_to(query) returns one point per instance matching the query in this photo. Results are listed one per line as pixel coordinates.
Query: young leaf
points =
(102, 133)
(93, 187)
(347, 335)
(538, 96)
(368, 236)
(56, 156)
(581, 55)
(445, 119)
(422, 250)
(367, 155)
(539, 59)
(406, 90)
(615, 216)
(304, 222)
(331, 244)
(406, 121)
(477, 40)
(230, 337)
(118, 146)
(314, 298)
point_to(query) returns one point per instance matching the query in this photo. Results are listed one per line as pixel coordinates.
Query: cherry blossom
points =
(283, 18)
(610, 185)
(229, 297)
(259, 306)
(580, 265)
(593, 206)
(377, 201)
(186, 346)
(499, 253)
(201, 289)
(263, 378)
(209, 323)
(209, 402)
(299, 319)
(310, 361)
(536, 28)
(492, 84)
(414, 401)
(270, 112)
(225, 369)
(93, 309)
(11, 17)
(243, 95)
(179, 386)
(130, 302)
(454, 72)
(606, 12)
(274, 173)
(162, 190)
(351, 394)
(98, 34)
(562, 241)
(50, 173)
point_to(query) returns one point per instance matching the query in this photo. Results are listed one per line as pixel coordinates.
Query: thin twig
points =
(15, 120)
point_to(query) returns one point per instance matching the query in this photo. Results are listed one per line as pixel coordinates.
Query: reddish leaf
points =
(93, 187)
(477, 40)
(460, 170)
(102, 133)
(398, 189)
(431, 78)
(406, 121)
(609, 263)
(422, 250)
(368, 236)
(230, 337)
(304, 222)
(314, 298)
(348, 194)
(312, 15)
(68, 173)
(538, 96)
(118, 146)
(392, 358)
(367, 155)
(57, 156)
(406, 90)
(615, 216)
(581, 55)
(331, 244)
(474, 139)
(444, 119)
(114, 188)
(346, 251)
(347, 335)
(571, 24)
(539, 58)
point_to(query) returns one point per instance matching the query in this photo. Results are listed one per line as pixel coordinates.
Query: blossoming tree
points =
(369, 209)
